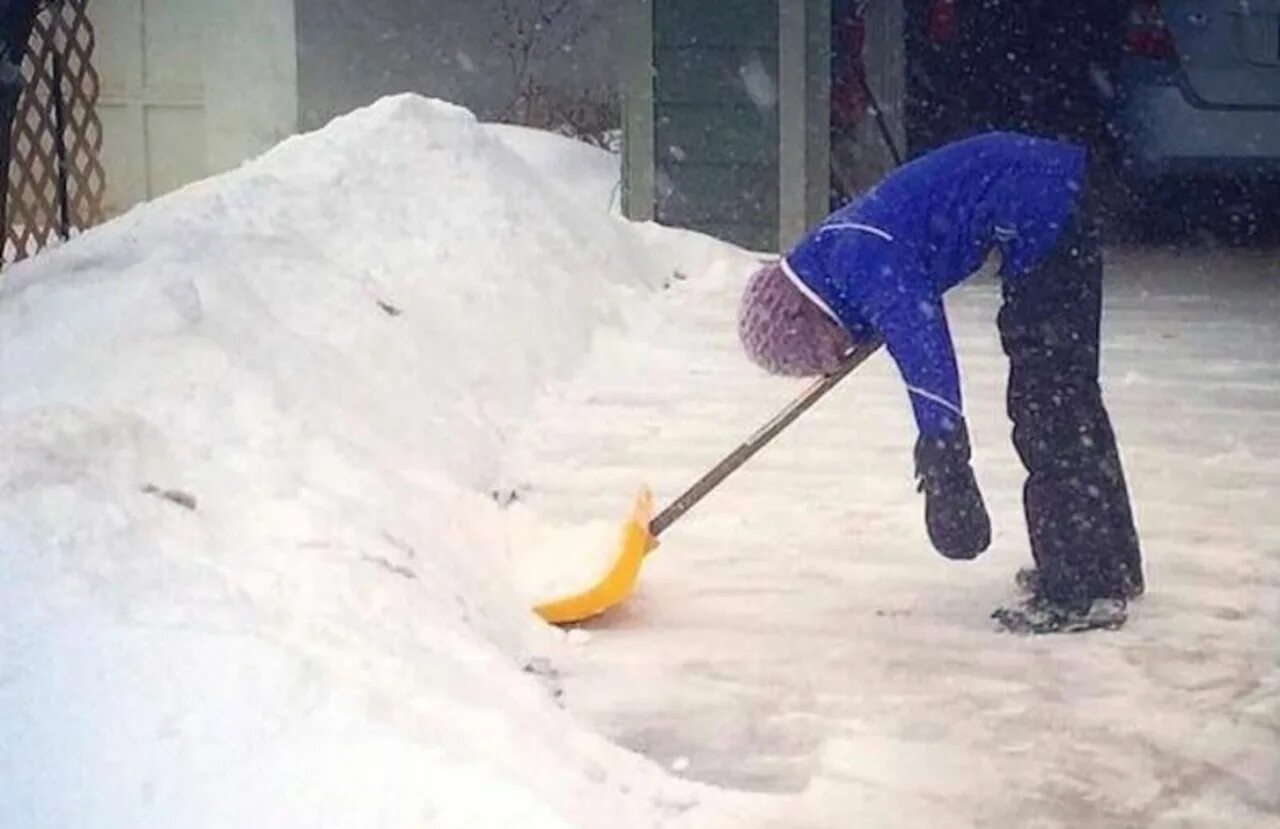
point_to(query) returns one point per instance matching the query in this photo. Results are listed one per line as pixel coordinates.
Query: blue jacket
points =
(880, 264)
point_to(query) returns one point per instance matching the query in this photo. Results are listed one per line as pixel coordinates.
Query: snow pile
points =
(557, 561)
(591, 176)
(250, 574)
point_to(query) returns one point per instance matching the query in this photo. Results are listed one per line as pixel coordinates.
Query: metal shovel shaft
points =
(759, 440)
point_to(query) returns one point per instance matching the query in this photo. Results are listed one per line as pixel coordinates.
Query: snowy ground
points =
(255, 439)
(796, 634)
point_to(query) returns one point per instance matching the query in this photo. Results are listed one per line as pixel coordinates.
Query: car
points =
(1195, 108)
(1197, 92)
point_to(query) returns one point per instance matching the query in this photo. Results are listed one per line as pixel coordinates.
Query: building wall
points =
(190, 88)
(715, 118)
(727, 114)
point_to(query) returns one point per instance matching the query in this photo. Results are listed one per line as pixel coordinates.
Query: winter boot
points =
(1040, 615)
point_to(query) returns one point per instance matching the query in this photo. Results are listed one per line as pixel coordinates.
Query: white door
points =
(190, 88)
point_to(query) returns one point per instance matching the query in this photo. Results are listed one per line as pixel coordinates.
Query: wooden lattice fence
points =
(56, 178)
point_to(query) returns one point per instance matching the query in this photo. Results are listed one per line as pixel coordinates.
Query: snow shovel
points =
(640, 532)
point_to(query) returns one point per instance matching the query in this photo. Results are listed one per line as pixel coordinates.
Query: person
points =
(875, 271)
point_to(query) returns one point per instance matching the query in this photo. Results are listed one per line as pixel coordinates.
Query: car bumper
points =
(1166, 132)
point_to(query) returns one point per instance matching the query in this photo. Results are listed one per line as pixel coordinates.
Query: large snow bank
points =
(249, 574)
(590, 175)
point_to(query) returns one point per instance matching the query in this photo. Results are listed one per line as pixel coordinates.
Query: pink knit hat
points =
(785, 332)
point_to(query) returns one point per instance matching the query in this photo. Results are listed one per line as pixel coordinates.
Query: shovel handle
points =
(853, 358)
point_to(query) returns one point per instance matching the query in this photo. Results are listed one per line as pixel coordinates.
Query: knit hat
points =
(785, 332)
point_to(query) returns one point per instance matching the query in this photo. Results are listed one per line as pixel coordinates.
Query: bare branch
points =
(530, 32)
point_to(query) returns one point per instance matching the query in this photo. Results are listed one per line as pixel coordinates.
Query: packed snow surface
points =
(796, 634)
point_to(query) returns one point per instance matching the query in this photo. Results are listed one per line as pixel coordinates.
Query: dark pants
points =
(1077, 506)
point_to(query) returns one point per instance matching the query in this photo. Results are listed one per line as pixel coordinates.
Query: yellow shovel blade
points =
(618, 583)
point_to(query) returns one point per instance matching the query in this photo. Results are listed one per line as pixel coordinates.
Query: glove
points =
(959, 527)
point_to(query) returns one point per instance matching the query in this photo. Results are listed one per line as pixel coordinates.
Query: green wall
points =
(726, 115)
(715, 118)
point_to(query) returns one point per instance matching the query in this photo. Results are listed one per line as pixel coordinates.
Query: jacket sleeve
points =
(915, 331)
(894, 295)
